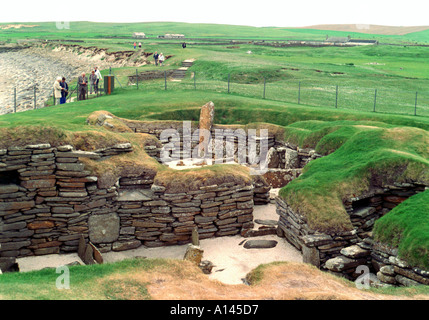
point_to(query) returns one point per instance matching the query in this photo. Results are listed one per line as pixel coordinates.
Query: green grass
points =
(360, 146)
(359, 154)
(41, 285)
(406, 227)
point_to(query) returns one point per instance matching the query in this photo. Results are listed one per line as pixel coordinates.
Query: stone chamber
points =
(50, 201)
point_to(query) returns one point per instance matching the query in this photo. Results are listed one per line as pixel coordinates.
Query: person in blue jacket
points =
(64, 91)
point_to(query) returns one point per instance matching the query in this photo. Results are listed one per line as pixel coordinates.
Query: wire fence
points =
(306, 92)
(36, 99)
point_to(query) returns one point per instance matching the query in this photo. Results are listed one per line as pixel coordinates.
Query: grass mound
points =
(360, 158)
(406, 227)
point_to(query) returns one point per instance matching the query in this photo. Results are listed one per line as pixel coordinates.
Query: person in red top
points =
(135, 45)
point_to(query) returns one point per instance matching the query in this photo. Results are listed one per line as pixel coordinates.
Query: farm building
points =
(139, 35)
(338, 39)
(172, 36)
(363, 42)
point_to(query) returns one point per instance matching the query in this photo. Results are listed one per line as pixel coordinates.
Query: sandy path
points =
(232, 261)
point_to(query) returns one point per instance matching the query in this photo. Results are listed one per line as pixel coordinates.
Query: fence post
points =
(336, 98)
(265, 82)
(165, 80)
(415, 105)
(35, 106)
(14, 100)
(299, 92)
(375, 99)
(137, 79)
(229, 79)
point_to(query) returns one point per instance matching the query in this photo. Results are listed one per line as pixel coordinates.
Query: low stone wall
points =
(316, 247)
(367, 208)
(48, 200)
(342, 253)
(393, 270)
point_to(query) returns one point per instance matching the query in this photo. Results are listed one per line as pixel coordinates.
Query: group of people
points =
(135, 45)
(61, 88)
(159, 58)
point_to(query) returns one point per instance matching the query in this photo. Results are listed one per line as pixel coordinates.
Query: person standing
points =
(161, 59)
(57, 91)
(92, 82)
(184, 45)
(83, 86)
(140, 45)
(65, 91)
(155, 57)
(99, 76)
(135, 45)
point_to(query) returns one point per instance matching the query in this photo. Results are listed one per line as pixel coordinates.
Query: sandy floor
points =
(232, 261)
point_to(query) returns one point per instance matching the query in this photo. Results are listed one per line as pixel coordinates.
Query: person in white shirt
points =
(161, 59)
(98, 75)
(57, 90)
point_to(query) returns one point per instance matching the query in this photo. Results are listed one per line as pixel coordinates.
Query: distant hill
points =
(369, 29)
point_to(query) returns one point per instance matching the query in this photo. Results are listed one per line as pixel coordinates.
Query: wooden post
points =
(14, 100)
(375, 99)
(137, 79)
(35, 106)
(415, 105)
(336, 98)
(265, 83)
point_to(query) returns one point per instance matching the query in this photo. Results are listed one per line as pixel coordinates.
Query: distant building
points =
(338, 39)
(363, 42)
(172, 36)
(349, 41)
(139, 35)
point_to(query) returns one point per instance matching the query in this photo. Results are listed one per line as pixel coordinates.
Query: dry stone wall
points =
(343, 253)
(48, 200)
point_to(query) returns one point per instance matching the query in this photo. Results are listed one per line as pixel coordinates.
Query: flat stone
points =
(9, 188)
(104, 228)
(354, 252)
(88, 257)
(40, 225)
(363, 212)
(385, 278)
(388, 270)
(260, 244)
(194, 254)
(127, 245)
(133, 195)
(406, 282)
(266, 222)
(342, 263)
(6, 206)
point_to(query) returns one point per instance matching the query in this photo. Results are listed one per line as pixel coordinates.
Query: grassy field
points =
(390, 144)
(90, 30)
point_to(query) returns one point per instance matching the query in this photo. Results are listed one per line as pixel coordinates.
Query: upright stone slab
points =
(206, 123)
(104, 228)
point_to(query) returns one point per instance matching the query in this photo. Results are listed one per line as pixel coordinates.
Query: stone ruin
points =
(50, 203)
